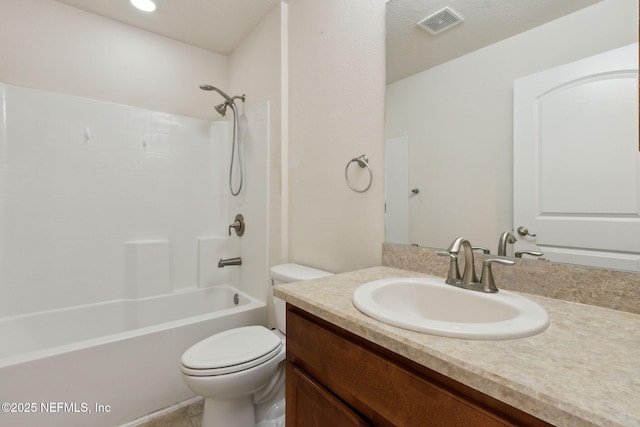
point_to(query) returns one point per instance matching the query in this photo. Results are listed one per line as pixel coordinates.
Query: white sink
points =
(429, 305)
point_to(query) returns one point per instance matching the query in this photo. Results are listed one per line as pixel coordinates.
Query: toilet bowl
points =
(240, 372)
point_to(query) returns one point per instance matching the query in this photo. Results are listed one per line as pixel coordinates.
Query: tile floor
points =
(188, 416)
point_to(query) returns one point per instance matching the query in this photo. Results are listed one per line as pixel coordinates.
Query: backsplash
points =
(617, 290)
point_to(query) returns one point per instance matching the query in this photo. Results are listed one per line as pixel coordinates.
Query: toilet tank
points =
(288, 273)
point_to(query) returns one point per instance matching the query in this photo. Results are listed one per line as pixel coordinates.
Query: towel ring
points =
(363, 161)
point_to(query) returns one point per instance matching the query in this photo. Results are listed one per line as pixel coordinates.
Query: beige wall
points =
(48, 45)
(255, 70)
(336, 103)
(458, 117)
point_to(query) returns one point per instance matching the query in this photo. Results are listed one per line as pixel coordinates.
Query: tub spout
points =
(229, 261)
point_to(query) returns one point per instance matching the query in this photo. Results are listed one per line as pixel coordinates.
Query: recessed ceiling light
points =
(146, 5)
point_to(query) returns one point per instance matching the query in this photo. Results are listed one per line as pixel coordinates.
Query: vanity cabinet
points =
(313, 405)
(335, 378)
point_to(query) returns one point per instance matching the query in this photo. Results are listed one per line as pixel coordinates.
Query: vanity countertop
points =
(582, 371)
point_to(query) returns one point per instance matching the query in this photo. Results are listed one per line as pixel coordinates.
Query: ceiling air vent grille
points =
(440, 21)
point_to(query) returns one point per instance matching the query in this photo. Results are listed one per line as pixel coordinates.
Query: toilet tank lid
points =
(296, 272)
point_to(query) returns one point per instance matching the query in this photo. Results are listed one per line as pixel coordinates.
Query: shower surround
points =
(102, 202)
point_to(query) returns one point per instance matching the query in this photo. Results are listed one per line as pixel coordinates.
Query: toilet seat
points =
(231, 351)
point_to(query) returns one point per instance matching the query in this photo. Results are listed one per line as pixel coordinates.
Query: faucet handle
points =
(486, 280)
(453, 277)
(519, 254)
(238, 225)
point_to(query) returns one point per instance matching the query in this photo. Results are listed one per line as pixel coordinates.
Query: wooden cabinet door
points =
(310, 405)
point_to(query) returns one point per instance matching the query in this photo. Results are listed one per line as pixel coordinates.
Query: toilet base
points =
(224, 413)
(275, 416)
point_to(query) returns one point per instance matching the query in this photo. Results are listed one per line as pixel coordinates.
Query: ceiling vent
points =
(440, 21)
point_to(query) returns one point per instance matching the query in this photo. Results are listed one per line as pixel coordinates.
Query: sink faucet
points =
(469, 278)
(469, 275)
(505, 238)
(229, 261)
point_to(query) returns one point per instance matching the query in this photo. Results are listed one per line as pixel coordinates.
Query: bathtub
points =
(109, 363)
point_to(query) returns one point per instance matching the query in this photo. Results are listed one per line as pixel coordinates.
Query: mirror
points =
(449, 121)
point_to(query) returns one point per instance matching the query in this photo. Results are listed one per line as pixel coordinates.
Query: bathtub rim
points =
(54, 351)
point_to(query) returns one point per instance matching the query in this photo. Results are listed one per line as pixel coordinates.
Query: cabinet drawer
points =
(310, 405)
(381, 386)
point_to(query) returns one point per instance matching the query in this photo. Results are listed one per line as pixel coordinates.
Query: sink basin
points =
(431, 306)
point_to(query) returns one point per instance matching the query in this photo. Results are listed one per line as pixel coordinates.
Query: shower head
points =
(222, 108)
(209, 88)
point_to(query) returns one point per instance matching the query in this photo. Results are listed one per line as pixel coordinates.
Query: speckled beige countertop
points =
(582, 371)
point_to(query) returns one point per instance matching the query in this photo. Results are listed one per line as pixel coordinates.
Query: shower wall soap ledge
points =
(147, 268)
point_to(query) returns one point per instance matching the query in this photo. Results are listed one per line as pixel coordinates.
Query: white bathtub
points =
(109, 363)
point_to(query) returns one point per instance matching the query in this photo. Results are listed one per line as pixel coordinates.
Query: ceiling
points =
(220, 25)
(411, 49)
(215, 25)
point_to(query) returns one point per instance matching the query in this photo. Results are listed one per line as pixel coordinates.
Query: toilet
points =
(240, 372)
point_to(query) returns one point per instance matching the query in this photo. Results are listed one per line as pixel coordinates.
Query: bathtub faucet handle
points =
(238, 225)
